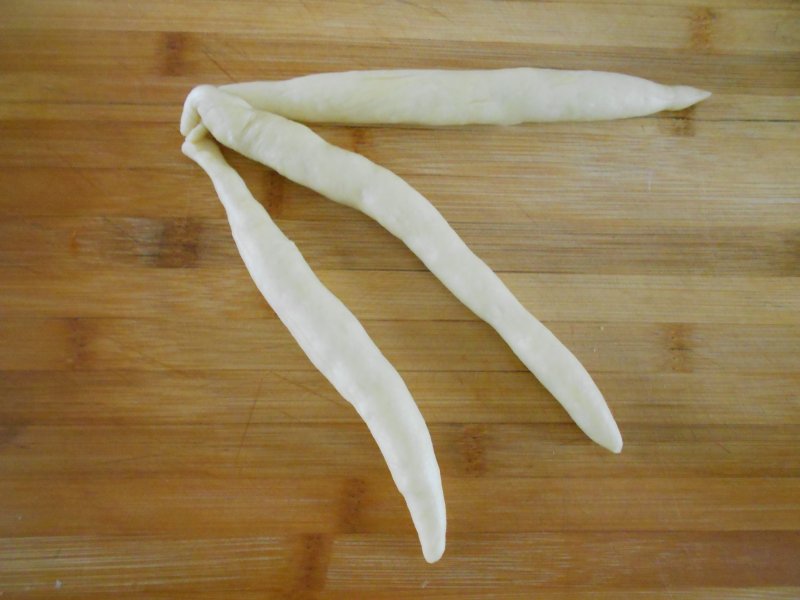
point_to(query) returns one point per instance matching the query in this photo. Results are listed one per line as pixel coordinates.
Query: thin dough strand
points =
(337, 345)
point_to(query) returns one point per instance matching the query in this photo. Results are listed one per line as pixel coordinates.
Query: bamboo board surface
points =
(161, 434)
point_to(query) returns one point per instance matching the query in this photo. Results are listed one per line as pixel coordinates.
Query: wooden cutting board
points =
(161, 434)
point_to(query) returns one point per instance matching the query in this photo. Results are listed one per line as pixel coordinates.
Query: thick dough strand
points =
(454, 97)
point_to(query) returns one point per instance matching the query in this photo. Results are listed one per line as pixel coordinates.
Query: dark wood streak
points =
(178, 244)
(352, 502)
(473, 449)
(701, 24)
(682, 123)
(9, 431)
(274, 202)
(311, 566)
(173, 45)
(78, 339)
(678, 337)
(360, 138)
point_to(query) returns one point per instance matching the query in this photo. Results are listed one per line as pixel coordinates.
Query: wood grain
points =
(161, 434)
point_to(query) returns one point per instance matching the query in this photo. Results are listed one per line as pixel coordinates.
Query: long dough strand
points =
(296, 152)
(337, 345)
(448, 97)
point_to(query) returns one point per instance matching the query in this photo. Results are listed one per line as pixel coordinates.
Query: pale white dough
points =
(452, 97)
(326, 330)
(336, 344)
(297, 153)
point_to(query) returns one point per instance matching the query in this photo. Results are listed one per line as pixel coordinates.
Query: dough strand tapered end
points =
(686, 96)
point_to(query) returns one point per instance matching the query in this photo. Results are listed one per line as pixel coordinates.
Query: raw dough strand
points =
(453, 97)
(336, 343)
